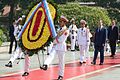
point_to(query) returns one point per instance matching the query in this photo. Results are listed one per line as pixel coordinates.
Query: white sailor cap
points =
(63, 18)
(72, 20)
(23, 16)
(83, 21)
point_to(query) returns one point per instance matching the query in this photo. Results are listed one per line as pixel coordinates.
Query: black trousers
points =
(12, 39)
(113, 47)
(101, 50)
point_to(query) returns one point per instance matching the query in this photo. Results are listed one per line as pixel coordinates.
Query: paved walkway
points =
(4, 48)
(73, 70)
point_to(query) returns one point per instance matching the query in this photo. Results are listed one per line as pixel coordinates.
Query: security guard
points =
(59, 47)
(82, 40)
(73, 34)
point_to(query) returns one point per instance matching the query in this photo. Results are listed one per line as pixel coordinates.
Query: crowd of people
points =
(79, 36)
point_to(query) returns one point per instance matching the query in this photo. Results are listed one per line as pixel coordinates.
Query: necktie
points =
(98, 29)
(82, 29)
(60, 28)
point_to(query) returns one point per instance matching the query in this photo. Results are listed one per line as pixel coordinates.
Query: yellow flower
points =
(37, 32)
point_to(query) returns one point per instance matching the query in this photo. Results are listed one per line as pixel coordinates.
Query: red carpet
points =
(71, 70)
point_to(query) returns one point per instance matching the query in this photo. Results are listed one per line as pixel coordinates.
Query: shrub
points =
(1, 33)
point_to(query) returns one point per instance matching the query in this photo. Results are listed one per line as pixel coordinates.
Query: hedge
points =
(91, 14)
(1, 33)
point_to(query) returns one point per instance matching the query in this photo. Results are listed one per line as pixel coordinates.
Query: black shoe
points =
(72, 50)
(111, 55)
(10, 52)
(9, 64)
(81, 63)
(44, 67)
(20, 58)
(84, 61)
(94, 63)
(60, 78)
(25, 74)
(101, 64)
(48, 53)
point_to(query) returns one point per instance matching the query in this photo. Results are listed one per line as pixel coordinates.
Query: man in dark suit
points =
(113, 37)
(99, 43)
(12, 38)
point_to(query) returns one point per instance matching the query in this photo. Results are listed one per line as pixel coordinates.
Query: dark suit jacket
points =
(11, 31)
(100, 37)
(113, 33)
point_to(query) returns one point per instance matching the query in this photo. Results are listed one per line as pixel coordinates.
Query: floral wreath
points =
(37, 34)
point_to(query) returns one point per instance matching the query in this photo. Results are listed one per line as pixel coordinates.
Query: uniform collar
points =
(82, 28)
(63, 28)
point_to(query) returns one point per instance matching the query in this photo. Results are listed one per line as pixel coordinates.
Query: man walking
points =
(99, 43)
(73, 34)
(113, 37)
(59, 47)
(12, 37)
(82, 40)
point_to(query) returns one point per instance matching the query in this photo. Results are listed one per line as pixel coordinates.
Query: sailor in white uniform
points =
(59, 47)
(49, 48)
(73, 34)
(18, 52)
(87, 55)
(26, 64)
(82, 40)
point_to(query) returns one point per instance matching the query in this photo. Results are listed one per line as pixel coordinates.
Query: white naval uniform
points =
(59, 48)
(83, 41)
(18, 52)
(27, 63)
(49, 47)
(87, 55)
(73, 35)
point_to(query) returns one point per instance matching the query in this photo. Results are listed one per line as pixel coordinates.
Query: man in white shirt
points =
(59, 47)
(18, 52)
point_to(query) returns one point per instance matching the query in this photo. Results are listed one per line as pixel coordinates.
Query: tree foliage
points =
(91, 14)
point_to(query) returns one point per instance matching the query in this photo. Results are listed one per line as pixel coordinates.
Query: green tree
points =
(91, 14)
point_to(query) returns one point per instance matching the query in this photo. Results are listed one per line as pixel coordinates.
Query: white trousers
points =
(16, 54)
(49, 48)
(61, 55)
(27, 63)
(73, 42)
(82, 49)
(87, 55)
